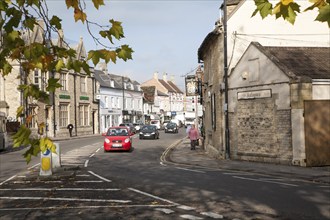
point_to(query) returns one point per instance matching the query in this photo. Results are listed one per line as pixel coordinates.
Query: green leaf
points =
(125, 52)
(324, 15)
(109, 55)
(53, 84)
(56, 22)
(97, 3)
(95, 56)
(116, 30)
(19, 111)
(59, 65)
(264, 8)
(30, 22)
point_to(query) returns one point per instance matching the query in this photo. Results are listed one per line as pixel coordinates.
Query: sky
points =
(165, 35)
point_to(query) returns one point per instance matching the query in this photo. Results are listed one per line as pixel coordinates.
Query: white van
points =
(156, 123)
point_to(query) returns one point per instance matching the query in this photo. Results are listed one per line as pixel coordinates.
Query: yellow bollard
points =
(45, 163)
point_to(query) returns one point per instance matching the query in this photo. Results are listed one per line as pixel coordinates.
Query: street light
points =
(198, 75)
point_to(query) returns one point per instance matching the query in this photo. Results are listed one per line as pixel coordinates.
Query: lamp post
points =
(227, 140)
(123, 85)
(199, 74)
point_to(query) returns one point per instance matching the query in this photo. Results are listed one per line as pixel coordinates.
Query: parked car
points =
(130, 126)
(138, 126)
(118, 138)
(149, 131)
(166, 122)
(156, 123)
(171, 128)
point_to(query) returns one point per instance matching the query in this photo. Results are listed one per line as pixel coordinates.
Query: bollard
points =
(45, 163)
(56, 157)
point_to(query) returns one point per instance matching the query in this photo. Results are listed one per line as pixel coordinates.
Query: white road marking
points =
(212, 215)
(98, 150)
(184, 207)
(83, 175)
(21, 176)
(82, 207)
(258, 180)
(166, 211)
(237, 173)
(191, 217)
(86, 163)
(65, 199)
(197, 171)
(30, 168)
(89, 181)
(92, 155)
(152, 196)
(100, 177)
(10, 178)
(58, 189)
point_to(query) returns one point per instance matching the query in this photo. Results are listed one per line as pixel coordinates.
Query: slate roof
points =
(149, 93)
(175, 87)
(105, 79)
(311, 62)
(167, 86)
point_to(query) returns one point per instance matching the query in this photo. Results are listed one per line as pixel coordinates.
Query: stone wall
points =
(260, 132)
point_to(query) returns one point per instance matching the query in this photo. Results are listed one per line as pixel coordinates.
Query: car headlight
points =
(141, 132)
(153, 133)
(127, 140)
(107, 140)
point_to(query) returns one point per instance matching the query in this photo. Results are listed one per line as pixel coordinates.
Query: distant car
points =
(137, 126)
(149, 131)
(166, 122)
(171, 128)
(130, 125)
(156, 123)
(117, 139)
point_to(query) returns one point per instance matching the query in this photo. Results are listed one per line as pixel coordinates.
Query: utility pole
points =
(227, 139)
(123, 85)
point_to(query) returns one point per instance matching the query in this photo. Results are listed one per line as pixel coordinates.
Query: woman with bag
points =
(193, 136)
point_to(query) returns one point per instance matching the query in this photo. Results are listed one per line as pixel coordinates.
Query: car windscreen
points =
(171, 125)
(117, 132)
(148, 128)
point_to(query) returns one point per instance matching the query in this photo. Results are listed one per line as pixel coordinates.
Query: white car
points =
(156, 123)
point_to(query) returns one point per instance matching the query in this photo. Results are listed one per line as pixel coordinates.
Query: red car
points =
(117, 139)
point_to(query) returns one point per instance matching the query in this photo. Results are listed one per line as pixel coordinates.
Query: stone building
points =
(242, 29)
(74, 103)
(269, 91)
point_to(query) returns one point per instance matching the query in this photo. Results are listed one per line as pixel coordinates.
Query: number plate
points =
(116, 145)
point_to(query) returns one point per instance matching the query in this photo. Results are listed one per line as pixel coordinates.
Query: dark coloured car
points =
(149, 132)
(130, 126)
(171, 128)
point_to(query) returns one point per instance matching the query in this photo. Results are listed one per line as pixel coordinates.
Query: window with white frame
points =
(64, 81)
(32, 114)
(118, 102)
(83, 84)
(112, 102)
(84, 115)
(40, 79)
(63, 114)
(106, 103)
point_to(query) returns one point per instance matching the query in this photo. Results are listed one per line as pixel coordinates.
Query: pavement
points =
(181, 154)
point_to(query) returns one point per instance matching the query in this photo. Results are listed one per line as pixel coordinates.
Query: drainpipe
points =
(227, 135)
(75, 102)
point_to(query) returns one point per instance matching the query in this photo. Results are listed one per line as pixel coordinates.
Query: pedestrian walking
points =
(193, 135)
